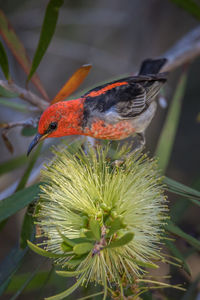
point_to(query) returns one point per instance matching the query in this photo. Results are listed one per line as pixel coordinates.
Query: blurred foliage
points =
(35, 281)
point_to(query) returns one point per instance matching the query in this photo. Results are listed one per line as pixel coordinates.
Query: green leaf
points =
(179, 232)
(9, 266)
(89, 235)
(13, 105)
(95, 228)
(47, 32)
(190, 6)
(13, 164)
(183, 190)
(115, 226)
(17, 201)
(82, 248)
(72, 273)
(18, 50)
(4, 61)
(27, 281)
(28, 171)
(27, 227)
(7, 94)
(66, 248)
(167, 137)
(125, 239)
(176, 253)
(37, 283)
(68, 291)
(76, 260)
(43, 252)
(28, 131)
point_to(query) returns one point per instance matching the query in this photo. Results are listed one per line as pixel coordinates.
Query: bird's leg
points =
(141, 144)
(139, 147)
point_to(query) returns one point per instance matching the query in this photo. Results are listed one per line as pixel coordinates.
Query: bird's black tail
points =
(152, 66)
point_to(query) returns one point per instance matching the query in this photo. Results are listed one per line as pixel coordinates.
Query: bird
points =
(112, 111)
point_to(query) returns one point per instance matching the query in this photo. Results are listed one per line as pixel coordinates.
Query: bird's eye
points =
(53, 126)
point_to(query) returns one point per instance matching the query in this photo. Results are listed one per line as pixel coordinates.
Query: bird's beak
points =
(39, 137)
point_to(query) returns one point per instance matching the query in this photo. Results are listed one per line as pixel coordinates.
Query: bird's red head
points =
(60, 119)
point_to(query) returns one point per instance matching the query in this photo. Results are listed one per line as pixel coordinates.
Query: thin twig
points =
(32, 122)
(7, 126)
(25, 94)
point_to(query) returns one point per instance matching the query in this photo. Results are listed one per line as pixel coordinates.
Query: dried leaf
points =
(18, 50)
(8, 144)
(72, 84)
(47, 32)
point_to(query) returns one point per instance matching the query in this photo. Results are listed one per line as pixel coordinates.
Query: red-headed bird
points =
(113, 111)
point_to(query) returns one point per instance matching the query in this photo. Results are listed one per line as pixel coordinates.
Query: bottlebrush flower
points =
(103, 222)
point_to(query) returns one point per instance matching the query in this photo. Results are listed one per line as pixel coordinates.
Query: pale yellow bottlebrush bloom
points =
(116, 212)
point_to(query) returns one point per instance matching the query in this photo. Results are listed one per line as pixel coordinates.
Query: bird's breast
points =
(102, 130)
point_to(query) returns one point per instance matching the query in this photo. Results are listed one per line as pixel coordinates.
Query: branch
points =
(185, 50)
(7, 126)
(25, 94)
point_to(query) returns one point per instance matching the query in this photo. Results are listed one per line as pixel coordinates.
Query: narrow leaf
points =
(7, 142)
(190, 6)
(47, 32)
(125, 239)
(72, 83)
(179, 232)
(72, 273)
(24, 285)
(7, 93)
(182, 189)
(95, 228)
(37, 283)
(13, 164)
(17, 201)
(43, 252)
(67, 292)
(176, 253)
(4, 61)
(167, 137)
(28, 171)
(14, 105)
(82, 248)
(76, 260)
(9, 266)
(18, 50)
(27, 227)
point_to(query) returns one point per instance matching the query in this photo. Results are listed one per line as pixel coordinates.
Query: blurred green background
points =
(114, 36)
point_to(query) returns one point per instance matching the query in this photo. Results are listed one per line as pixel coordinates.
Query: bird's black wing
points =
(122, 99)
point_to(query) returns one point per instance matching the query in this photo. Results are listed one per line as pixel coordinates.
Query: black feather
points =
(152, 66)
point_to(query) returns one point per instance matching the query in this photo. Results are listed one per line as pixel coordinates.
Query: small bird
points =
(113, 111)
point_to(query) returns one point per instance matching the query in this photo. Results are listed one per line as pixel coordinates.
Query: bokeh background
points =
(114, 36)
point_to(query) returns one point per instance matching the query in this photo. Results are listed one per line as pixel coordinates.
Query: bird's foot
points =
(138, 148)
